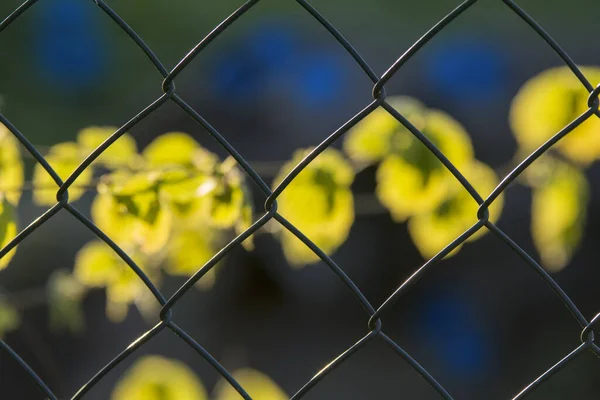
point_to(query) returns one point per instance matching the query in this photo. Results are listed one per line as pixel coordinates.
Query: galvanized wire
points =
(373, 320)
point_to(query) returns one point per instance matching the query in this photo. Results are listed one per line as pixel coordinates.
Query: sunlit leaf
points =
(64, 158)
(9, 318)
(411, 179)
(64, 297)
(97, 265)
(11, 166)
(128, 209)
(8, 229)
(225, 204)
(434, 230)
(188, 251)
(547, 103)
(159, 378)
(558, 214)
(257, 384)
(319, 203)
(243, 223)
(178, 149)
(123, 152)
(371, 139)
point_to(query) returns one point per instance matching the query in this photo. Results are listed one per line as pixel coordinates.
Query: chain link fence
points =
(374, 314)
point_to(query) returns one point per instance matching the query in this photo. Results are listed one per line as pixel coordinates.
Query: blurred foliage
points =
(11, 166)
(64, 298)
(318, 202)
(558, 211)
(159, 378)
(256, 384)
(545, 105)
(9, 318)
(154, 377)
(549, 102)
(173, 205)
(169, 208)
(412, 183)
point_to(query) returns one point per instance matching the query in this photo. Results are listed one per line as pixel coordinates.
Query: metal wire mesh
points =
(374, 314)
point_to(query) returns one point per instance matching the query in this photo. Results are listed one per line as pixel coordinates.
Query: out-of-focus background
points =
(482, 322)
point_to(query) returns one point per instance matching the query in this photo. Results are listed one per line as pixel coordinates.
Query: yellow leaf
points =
(64, 158)
(550, 101)
(159, 378)
(558, 214)
(225, 204)
(178, 149)
(256, 384)
(370, 140)
(11, 166)
(188, 251)
(434, 230)
(9, 318)
(123, 152)
(411, 179)
(97, 265)
(8, 229)
(319, 203)
(129, 210)
(243, 223)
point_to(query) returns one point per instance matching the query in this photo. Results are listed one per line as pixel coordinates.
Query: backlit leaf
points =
(129, 210)
(123, 152)
(550, 101)
(371, 139)
(9, 318)
(11, 166)
(8, 229)
(432, 231)
(319, 203)
(97, 265)
(257, 384)
(558, 214)
(411, 179)
(64, 158)
(178, 149)
(188, 251)
(159, 378)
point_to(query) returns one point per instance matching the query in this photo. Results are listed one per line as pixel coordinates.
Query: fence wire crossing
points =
(374, 314)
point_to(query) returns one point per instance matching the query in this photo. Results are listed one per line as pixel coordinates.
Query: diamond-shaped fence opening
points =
(375, 314)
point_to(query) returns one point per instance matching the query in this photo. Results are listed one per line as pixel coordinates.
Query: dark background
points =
(482, 322)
